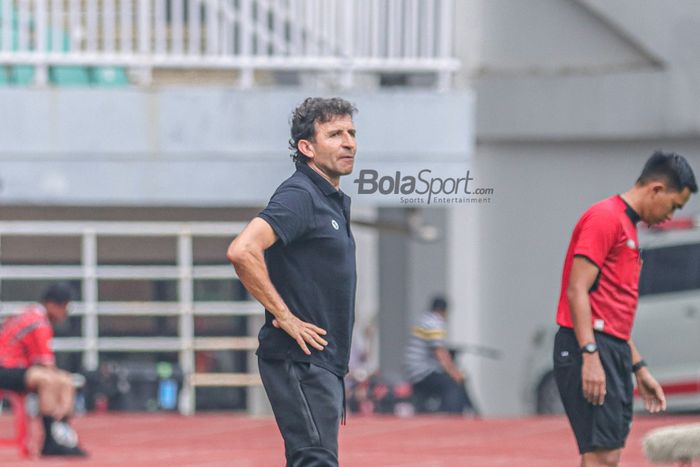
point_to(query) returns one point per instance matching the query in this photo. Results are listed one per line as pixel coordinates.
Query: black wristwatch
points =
(638, 366)
(591, 347)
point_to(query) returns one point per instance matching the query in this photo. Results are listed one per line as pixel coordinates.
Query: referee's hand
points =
(593, 379)
(651, 391)
(302, 332)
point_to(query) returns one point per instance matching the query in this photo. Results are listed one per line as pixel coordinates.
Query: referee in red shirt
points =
(594, 356)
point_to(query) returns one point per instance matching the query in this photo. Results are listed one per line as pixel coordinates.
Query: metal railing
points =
(345, 36)
(89, 272)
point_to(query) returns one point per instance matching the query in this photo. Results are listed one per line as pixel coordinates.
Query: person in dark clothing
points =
(297, 258)
(429, 364)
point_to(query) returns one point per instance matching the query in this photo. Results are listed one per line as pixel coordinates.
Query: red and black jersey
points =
(606, 234)
(25, 339)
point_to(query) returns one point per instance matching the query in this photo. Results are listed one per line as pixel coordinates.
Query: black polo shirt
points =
(312, 266)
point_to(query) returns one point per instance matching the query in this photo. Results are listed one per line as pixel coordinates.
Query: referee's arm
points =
(651, 391)
(581, 279)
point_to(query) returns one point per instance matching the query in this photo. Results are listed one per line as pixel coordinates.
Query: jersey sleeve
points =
(431, 331)
(599, 231)
(38, 345)
(289, 213)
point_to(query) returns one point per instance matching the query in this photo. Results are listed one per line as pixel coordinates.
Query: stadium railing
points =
(339, 36)
(89, 272)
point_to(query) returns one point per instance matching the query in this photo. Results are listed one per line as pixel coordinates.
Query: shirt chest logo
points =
(334, 224)
(631, 245)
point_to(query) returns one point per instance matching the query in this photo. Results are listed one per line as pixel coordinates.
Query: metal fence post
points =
(257, 401)
(186, 298)
(90, 297)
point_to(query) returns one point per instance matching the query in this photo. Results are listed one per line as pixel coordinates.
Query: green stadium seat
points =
(61, 75)
(22, 75)
(66, 75)
(69, 75)
(109, 76)
(4, 76)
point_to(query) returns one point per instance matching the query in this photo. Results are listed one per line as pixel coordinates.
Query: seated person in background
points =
(428, 363)
(28, 362)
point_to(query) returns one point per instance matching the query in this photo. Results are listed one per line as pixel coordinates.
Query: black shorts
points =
(13, 379)
(595, 426)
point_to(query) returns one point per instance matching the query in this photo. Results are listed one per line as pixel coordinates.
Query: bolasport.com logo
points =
(423, 187)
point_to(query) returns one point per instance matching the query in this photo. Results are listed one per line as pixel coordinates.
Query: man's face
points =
(57, 312)
(333, 148)
(663, 202)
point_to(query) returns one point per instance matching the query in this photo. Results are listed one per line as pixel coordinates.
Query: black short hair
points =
(312, 110)
(59, 292)
(671, 168)
(439, 304)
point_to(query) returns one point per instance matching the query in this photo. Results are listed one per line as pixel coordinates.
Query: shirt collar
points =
(323, 184)
(631, 213)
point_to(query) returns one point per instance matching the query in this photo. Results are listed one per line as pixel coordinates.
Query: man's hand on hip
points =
(593, 379)
(302, 332)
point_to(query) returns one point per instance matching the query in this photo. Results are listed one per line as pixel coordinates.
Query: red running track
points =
(237, 440)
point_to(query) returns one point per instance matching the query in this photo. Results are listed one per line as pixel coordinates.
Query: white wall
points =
(549, 36)
(193, 146)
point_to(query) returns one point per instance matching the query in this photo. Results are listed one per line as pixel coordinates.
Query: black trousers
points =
(307, 401)
(453, 395)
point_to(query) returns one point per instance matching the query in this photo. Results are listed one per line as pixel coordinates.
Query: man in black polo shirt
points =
(297, 258)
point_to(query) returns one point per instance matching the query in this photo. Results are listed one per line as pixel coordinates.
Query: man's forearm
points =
(252, 272)
(636, 356)
(580, 307)
(443, 357)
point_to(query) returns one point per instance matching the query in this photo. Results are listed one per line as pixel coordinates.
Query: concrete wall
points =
(545, 36)
(192, 146)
